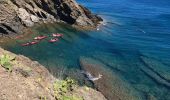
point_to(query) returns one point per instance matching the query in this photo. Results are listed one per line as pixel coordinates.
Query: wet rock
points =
(111, 85)
(95, 19)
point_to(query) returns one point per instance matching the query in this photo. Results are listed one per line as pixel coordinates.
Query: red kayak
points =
(26, 44)
(29, 43)
(34, 42)
(53, 40)
(57, 35)
(40, 37)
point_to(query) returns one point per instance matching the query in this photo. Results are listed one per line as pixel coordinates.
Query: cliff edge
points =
(18, 14)
(24, 79)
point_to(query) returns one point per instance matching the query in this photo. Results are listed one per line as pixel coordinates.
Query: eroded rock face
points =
(9, 21)
(16, 14)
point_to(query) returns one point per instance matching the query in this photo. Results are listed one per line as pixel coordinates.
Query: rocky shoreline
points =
(29, 80)
(15, 15)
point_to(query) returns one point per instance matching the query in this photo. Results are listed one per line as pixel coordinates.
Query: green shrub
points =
(61, 88)
(70, 98)
(5, 61)
(64, 86)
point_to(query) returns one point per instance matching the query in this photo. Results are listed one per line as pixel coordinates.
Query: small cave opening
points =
(3, 31)
(48, 9)
(30, 11)
(31, 4)
(64, 13)
(44, 16)
(39, 15)
(9, 28)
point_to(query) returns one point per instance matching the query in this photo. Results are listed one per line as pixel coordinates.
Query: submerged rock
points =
(111, 60)
(156, 70)
(17, 14)
(158, 67)
(111, 85)
(151, 97)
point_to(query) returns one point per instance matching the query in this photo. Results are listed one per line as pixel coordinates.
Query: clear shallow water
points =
(135, 40)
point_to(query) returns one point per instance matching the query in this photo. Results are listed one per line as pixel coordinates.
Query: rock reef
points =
(110, 84)
(18, 14)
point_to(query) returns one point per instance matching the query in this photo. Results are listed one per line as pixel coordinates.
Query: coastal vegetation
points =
(63, 87)
(5, 61)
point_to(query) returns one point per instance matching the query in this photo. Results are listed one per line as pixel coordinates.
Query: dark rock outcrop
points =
(17, 14)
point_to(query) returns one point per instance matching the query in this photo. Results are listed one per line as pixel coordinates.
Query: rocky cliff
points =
(18, 14)
(28, 80)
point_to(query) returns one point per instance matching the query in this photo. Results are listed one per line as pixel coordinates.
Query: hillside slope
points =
(28, 80)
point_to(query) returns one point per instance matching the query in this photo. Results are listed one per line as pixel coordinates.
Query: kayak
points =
(53, 40)
(29, 43)
(26, 44)
(57, 35)
(34, 42)
(40, 37)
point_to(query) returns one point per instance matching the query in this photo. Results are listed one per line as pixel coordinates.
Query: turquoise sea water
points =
(135, 40)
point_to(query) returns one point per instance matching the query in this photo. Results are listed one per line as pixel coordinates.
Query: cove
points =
(132, 49)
